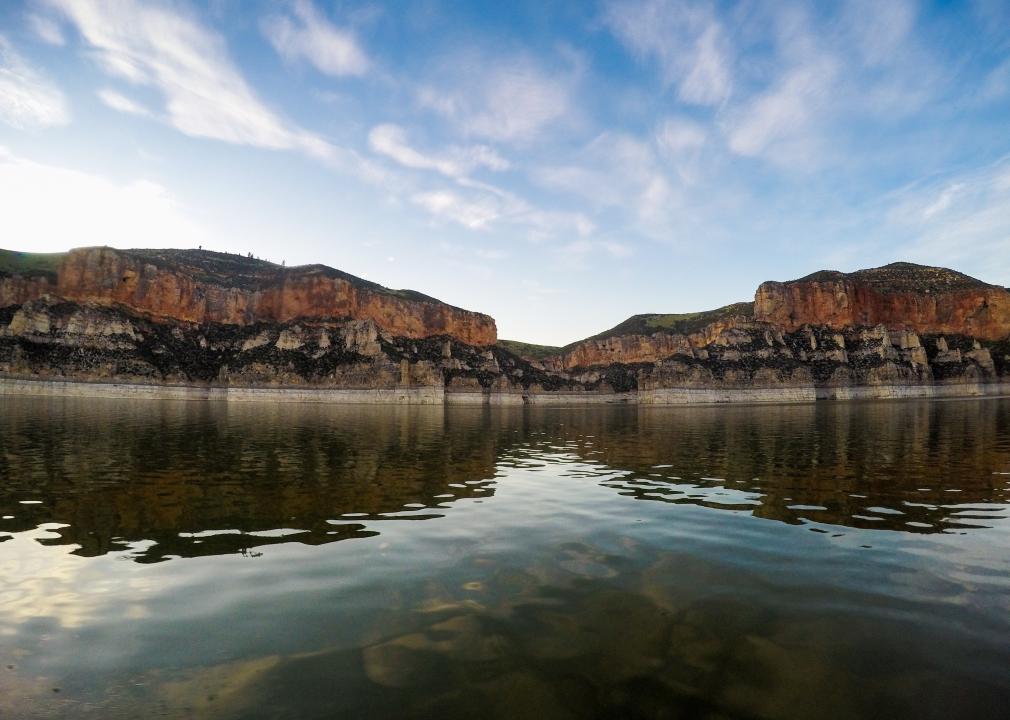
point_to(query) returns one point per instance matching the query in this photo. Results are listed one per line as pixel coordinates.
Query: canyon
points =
(195, 323)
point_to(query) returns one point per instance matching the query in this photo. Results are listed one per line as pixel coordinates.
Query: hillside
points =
(678, 323)
(26, 264)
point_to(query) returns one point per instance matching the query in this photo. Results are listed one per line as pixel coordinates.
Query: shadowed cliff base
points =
(226, 325)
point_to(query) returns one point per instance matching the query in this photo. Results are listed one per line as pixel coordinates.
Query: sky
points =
(559, 166)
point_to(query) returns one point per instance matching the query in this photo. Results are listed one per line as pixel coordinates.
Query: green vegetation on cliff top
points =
(903, 277)
(529, 350)
(683, 323)
(218, 268)
(23, 263)
(251, 273)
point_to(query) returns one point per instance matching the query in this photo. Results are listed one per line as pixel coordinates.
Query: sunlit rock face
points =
(179, 317)
(651, 338)
(206, 287)
(622, 349)
(898, 296)
(18, 289)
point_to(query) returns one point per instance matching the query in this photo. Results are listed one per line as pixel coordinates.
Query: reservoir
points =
(173, 559)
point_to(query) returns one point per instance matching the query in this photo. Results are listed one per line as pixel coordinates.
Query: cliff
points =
(901, 296)
(220, 321)
(206, 287)
(650, 338)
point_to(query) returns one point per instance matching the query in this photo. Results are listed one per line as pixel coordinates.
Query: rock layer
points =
(213, 320)
(206, 287)
(899, 296)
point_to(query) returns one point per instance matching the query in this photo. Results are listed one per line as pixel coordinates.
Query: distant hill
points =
(903, 277)
(683, 323)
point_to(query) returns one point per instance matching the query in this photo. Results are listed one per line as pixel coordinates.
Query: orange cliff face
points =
(652, 338)
(198, 286)
(17, 289)
(901, 296)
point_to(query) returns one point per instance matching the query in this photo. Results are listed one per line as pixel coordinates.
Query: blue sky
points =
(558, 166)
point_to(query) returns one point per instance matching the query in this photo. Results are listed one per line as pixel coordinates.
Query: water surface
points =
(207, 560)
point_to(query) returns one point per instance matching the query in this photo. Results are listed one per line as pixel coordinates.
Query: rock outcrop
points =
(210, 320)
(207, 287)
(56, 339)
(650, 338)
(900, 296)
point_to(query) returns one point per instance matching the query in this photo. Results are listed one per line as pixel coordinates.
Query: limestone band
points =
(199, 319)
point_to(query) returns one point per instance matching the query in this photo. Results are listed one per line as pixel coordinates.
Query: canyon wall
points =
(233, 325)
(636, 347)
(205, 287)
(901, 296)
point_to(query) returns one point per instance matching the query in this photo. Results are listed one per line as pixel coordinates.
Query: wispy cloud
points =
(391, 141)
(680, 142)
(474, 212)
(777, 123)
(27, 98)
(997, 82)
(206, 96)
(685, 39)
(619, 171)
(305, 35)
(46, 29)
(822, 75)
(119, 102)
(878, 30)
(960, 219)
(509, 99)
(478, 206)
(472, 203)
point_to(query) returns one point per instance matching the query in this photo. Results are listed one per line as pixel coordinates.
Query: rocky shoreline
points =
(192, 324)
(435, 395)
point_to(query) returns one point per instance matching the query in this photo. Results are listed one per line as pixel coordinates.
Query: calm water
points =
(196, 560)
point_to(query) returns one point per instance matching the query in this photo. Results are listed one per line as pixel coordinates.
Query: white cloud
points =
(679, 135)
(309, 37)
(478, 206)
(391, 141)
(684, 38)
(92, 210)
(46, 30)
(778, 121)
(943, 201)
(474, 204)
(121, 103)
(617, 171)
(471, 213)
(680, 142)
(27, 98)
(878, 30)
(820, 75)
(476, 156)
(962, 219)
(150, 44)
(505, 99)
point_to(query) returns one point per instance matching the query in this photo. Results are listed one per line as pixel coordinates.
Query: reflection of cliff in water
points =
(205, 478)
(164, 479)
(913, 466)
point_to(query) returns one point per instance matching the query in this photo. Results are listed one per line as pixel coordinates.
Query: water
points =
(200, 560)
